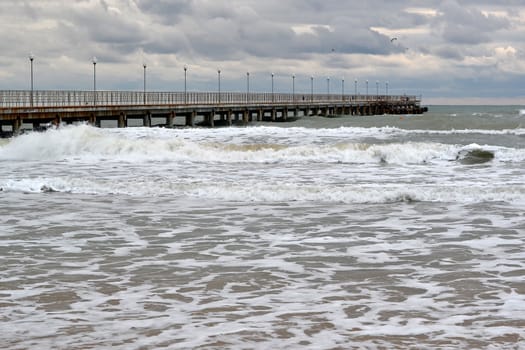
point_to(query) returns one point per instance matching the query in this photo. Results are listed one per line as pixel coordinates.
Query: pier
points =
(35, 110)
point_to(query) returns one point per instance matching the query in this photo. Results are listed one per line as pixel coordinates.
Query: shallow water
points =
(298, 235)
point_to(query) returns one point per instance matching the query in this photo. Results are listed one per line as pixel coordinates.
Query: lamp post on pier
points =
(367, 90)
(185, 87)
(328, 85)
(312, 88)
(273, 97)
(343, 89)
(355, 88)
(144, 65)
(387, 90)
(219, 78)
(247, 87)
(31, 58)
(293, 87)
(377, 89)
(94, 60)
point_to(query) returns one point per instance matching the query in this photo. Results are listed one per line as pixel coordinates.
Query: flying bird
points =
(392, 40)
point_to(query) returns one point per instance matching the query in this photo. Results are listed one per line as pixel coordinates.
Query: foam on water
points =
(262, 237)
(124, 275)
(290, 164)
(257, 191)
(262, 144)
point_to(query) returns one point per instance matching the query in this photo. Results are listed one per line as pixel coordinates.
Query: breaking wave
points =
(259, 145)
(253, 191)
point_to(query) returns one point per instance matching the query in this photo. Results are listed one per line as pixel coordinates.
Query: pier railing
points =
(64, 98)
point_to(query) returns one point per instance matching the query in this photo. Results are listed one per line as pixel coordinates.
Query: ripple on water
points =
(166, 273)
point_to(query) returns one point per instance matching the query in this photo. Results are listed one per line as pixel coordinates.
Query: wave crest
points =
(85, 142)
(254, 191)
(255, 145)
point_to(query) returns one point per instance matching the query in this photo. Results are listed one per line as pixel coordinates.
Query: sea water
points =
(355, 232)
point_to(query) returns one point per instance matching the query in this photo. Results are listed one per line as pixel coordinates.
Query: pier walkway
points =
(23, 110)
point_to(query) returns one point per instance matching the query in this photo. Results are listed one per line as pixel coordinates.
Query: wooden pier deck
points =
(23, 110)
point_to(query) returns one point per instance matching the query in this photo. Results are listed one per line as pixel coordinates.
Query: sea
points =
(348, 232)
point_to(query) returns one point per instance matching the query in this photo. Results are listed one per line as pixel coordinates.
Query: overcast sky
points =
(448, 51)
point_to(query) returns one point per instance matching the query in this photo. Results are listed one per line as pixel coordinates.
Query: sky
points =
(446, 51)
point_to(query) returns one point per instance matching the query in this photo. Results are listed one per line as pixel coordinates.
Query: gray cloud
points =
(253, 28)
(169, 11)
(468, 25)
(438, 41)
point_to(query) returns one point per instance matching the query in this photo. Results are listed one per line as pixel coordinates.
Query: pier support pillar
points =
(274, 113)
(170, 119)
(17, 125)
(147, 119)
(122, 122)
(212, 119)
(57, 121)
(229, 117)
(285, 114)
(245, 117)
(190, 119)
(97, 121)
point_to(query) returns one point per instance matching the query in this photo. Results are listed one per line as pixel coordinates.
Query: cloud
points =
(442, 42)
(216, 29)
(168, 11)
(461, 25)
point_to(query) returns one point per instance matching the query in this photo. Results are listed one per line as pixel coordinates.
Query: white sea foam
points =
(257, 191)
(262, 164)
(261, 237)
(87, 143)
(260, 276)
